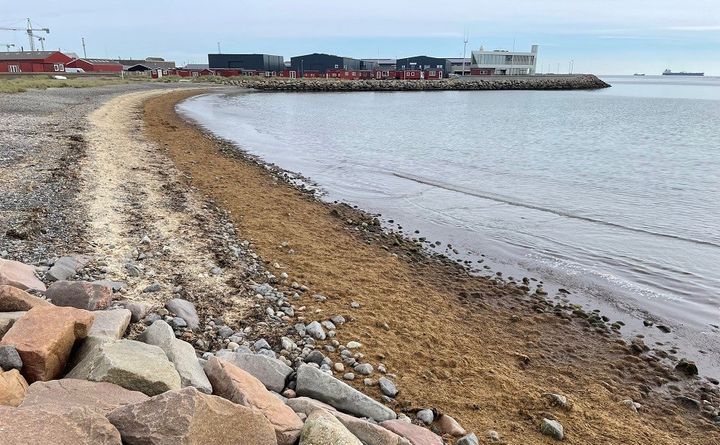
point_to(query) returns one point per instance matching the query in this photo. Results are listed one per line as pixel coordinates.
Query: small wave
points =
(508, 201)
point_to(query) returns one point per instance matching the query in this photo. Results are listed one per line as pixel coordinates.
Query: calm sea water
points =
(613, 194)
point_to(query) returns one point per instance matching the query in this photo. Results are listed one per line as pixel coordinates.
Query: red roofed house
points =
(33, 62)
(96, 65)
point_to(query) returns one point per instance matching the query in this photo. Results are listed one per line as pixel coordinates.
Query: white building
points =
(504, 63)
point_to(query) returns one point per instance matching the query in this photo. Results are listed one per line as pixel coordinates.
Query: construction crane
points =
(8, 46)
(42, 42)
(30, 32)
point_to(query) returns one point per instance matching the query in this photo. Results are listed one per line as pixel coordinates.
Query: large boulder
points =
(131, 364)
(417, 435)
(270, 371)
(79, 294)
(185, 310)
(313, 383)
(7, 319)
(323, 428)
(59, 395)
(369, 433)
(44, 338)
(12, 388)
(111, 323)
(13, 299)
(180, 353)
(188, 416)
(36, 425)
(238, 386)
(65, 267)
(22, 276)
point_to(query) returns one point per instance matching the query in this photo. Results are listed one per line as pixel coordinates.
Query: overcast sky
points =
(602, 36)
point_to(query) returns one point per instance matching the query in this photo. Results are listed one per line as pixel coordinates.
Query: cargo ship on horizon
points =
(681, 73)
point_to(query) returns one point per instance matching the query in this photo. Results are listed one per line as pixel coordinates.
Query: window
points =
(14, 68)
(337, 66)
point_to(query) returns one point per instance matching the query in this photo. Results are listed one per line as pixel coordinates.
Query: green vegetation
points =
(20, 84)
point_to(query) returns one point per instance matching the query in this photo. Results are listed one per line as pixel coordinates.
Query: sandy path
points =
(144, 224)
(481, 352)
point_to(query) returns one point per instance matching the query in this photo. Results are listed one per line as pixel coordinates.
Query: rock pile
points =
(575, 82)
(70, 374)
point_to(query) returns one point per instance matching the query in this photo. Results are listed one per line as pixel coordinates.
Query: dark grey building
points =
(424, 63)
(250, 62)
(322, 63)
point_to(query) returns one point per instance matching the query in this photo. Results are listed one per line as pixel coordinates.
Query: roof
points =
(380, 61)
(26, 55)
(96, 61)
(458, 60)
(196, 66)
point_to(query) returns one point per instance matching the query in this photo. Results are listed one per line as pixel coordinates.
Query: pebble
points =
(178, 322)
(337, 319)
(288, 344)
(552, 428)
(471, 439)
(349, 376)
(387, 387)
(225, 331)
(355, 305)
(315, 330)
(492, 435)
(354, 345)
(339, 367)
(315, 357)
(364, 369)
(233, 346)
(261, 344)
(10, 358)
(369, 382)
(426, 416)
(155, 287)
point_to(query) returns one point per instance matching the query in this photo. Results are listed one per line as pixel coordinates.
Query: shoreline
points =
(230, 151)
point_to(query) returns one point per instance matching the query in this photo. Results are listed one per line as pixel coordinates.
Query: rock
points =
(225, 331)
(448, 425)
(180, 353)
(9, 358)
(36, 425)
(59, 395)
(552, 428)
(426, 416)
(315, 330)
(44, 338)
(313, 383)
(558, 400)
(315, 357)
(631, 404)
(261, 344)
(688, 402)
(185, 310)
(131, 364)
(152, 288)
(270, 371)
(338, 319)
(79, 294)
(354, 345)
(417, 435)
(19, 275)
(66, 267)
(322, 428)
(7, 319)
(687, 367)
(364, 369)
(115, 286)
(13, 299)
(369, 433)
(111, 323)
(188, 416)
(471, 439)
(12, 388)
(349, 376)
(238, 386)
(138, 309)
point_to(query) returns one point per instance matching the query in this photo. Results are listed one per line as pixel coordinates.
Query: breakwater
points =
(576, 82)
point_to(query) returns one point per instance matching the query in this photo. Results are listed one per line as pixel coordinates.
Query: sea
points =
(612, 194)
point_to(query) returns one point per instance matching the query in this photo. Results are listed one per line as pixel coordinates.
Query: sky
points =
(602, 37)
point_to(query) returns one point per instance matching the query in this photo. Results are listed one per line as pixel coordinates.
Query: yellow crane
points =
(31, 33)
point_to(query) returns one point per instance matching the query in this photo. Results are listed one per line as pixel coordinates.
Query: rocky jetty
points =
(574, 82)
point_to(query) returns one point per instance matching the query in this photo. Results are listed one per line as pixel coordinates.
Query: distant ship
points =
(681, 73)
(639, 74)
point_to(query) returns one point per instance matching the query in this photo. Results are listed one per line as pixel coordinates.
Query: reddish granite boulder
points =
(44, 337)
(238, 386)
(75, 426)
(80, 294)
(59, 395)
(188, 416)
(12, 388)
(13, 299)
(22, 276)
(417, 435)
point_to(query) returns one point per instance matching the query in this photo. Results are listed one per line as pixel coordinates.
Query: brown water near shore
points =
(481, 351)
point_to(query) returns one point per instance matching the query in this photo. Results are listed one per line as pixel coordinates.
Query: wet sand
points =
(478, 349)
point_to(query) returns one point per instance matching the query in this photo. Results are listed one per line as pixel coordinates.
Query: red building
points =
(349, 74)
(33, 62)
(482, 71)
(96, 65)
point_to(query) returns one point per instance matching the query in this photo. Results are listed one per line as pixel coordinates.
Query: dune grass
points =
(20, 84)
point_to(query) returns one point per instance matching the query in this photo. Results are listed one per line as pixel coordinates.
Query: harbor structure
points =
(504, 63)
(266, 64)
(33, 62)
(460, 66)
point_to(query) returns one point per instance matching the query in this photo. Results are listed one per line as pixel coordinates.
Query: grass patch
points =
(20, 84)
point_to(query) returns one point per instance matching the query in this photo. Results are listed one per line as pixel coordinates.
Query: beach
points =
(158, 201)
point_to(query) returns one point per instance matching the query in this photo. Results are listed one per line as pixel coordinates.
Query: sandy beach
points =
(122, 178)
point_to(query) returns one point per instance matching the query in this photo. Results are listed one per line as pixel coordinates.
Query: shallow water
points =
(613, 194)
